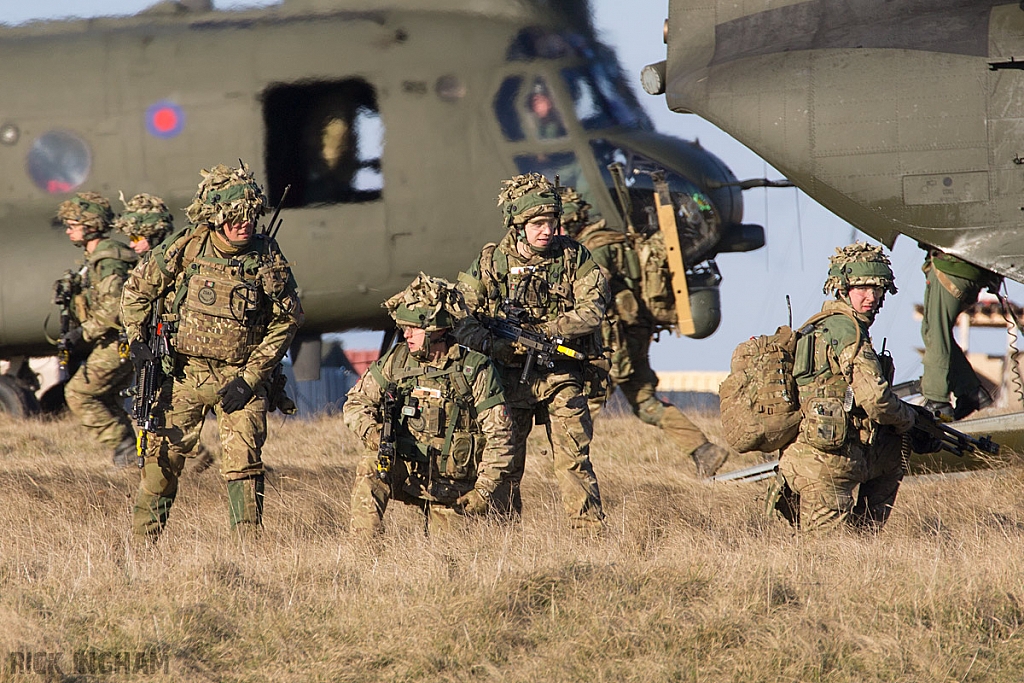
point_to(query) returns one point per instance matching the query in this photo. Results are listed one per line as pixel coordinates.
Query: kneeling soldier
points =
(846, 464)
(434, 414)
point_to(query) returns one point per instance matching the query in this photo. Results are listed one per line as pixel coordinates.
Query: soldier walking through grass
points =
(234, 311)
(93, 392)
(548, 284)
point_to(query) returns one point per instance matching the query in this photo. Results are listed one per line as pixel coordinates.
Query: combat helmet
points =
(227, 195)
(859, 264)
(575, 211)
(145, 216)
(90, 209)
(526, 196)
(430, 303)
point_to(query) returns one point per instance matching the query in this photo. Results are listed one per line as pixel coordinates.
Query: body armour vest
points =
(220, 303)
(826, 398)
(438, 430)
(543, 290)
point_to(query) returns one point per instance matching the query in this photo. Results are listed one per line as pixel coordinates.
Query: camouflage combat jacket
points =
(241, 309)
(454, 431)
(98, 306)
(845, 392)
(563, 291)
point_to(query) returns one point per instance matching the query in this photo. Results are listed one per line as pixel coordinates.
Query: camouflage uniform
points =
(454, 433)
(565, 295)
(628, 332)
(846, 464)
(951, 285)
(234, 312)
(93, 393)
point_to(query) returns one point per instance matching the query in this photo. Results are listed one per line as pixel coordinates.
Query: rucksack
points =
(760, 402)
(656, 292)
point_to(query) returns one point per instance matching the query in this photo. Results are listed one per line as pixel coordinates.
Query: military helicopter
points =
(900, 116)
(392, 122)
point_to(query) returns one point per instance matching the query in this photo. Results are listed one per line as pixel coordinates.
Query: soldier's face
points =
(238, 232)
(415, 337)
(540, 230)
(866, 298)
(75, 231)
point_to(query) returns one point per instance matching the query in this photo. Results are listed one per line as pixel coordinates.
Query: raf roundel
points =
(165, 119)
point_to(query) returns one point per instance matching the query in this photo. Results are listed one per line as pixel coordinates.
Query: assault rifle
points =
(148, 378)
(931, 428)
(64, 292)
(389, 416)
(539, 349)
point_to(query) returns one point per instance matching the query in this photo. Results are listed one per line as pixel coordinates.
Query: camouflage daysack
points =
(656, 292)
(760, 404)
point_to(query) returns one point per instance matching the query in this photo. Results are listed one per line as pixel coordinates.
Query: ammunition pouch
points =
(824, 424)
(217, 316)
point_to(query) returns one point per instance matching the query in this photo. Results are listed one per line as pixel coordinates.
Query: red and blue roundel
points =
(165, 119)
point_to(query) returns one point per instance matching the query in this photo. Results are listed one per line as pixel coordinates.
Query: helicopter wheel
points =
(16, 400)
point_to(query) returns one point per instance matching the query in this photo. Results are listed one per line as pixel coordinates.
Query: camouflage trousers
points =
(94, 397)
(856, 486)
(557, 400)
(638, 384)
(184, 404)
(946, 368)
(370, 497)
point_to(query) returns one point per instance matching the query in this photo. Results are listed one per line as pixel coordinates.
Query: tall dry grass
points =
(690, 583)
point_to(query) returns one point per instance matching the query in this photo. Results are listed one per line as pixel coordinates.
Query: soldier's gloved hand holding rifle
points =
(64, 291)
(538, 347)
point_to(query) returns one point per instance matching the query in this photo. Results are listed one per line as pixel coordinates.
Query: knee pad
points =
(651, 411)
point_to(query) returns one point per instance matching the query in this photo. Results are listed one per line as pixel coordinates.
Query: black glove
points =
(923, 442)
(140, 354)
(234, 395)
(72, 338)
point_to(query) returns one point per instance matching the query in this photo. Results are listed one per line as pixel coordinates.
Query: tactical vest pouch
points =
(214, 316)
(627, 307)
(656, 281)
(824, 423)
(461, 461)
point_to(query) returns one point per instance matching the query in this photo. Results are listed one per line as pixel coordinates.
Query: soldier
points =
(145, 221)
(549, 283)
(628, 332)
(452, 431)
(951, 285)
(846, 464)
(93, 393)
(235, 310)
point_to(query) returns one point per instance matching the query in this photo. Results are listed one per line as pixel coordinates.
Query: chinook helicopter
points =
(901, 116)
(392, 123)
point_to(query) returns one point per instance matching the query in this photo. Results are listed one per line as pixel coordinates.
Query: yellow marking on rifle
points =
(565, 350)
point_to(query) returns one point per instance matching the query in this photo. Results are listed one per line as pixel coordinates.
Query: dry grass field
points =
(691, 582)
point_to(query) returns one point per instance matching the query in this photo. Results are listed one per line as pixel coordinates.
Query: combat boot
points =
(149, 517)
(124, 453)
(940, 409)
(709, 457)
(972, 402)
(245, 504)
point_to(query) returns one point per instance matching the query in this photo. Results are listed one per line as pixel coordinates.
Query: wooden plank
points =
(670, 232)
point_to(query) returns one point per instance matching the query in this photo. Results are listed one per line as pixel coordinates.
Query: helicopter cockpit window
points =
(505, 108)
(561, 164)
(544, 117)
(326, 140)
(536, 42)
(59, 161)
(695, 214)
(591, 108)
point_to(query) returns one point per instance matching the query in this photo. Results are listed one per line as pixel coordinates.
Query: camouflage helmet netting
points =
(431, 303)
(144, 215)
(90, 209)
(227, 195)
(859, 264)
(575, 210)
(526, 196)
